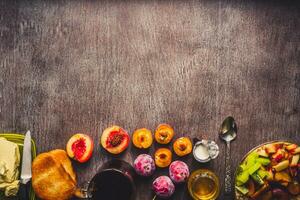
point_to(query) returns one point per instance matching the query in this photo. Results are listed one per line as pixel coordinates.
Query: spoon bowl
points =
(228, 129)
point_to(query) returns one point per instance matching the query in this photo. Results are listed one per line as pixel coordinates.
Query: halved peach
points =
(163, 157)
(80, 147)
(182, 146)
(115, 139)
(164, 134)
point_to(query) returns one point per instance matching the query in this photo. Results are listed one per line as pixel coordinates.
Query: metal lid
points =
(211, 147)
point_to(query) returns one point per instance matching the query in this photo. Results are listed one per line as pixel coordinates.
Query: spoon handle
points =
(227, 170)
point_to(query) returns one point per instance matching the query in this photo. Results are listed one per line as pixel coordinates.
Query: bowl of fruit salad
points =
(269, 171)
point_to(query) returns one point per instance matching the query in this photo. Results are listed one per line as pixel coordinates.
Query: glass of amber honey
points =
(203, 184)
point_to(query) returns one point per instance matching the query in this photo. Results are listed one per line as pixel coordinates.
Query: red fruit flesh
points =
(79, 148)
(115, 139)
(278, 158)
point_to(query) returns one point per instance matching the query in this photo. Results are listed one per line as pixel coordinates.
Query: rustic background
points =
(81, 66)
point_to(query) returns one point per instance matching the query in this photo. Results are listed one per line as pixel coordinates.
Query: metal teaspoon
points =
(227, 133)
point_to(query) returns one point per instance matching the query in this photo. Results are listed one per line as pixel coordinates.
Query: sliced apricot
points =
(142, 138)
(164, 133)
(163, 157)
(182, 146)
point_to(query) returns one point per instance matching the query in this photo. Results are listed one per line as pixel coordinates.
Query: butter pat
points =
(9, 163)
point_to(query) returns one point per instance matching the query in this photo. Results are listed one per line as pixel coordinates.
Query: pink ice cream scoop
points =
(179, 171)
(163, 187)
(144, 165)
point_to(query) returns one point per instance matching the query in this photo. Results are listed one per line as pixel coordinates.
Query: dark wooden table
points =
(81, 66)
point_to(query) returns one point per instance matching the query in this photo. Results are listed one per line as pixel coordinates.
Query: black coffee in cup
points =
(112, 184)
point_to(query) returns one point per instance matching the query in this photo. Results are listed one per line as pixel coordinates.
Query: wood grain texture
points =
(80, 66)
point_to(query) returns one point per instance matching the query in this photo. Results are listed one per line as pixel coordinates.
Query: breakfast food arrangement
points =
(270, 171)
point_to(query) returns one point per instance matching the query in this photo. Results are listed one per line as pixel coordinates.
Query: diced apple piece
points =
(279, 155)
(282, 177)
(279, 145)
(262, 152)
(270, 148)
(273, 162)
(281, 166)
(295, 160)
(296, 151)
(291, 147)
(287, 155)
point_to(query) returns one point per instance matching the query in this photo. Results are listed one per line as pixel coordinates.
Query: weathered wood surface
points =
(80, 66)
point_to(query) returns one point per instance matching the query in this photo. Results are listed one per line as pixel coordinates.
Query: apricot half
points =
(115, 139)
(163, 157)
(142, 138)
(80, 147)
(164, 134)
(182, 146)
